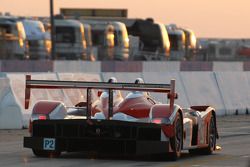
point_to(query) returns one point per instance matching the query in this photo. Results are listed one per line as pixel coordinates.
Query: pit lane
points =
(234, 139)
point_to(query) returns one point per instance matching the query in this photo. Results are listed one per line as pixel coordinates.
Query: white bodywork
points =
(59, 112)
(191, 118)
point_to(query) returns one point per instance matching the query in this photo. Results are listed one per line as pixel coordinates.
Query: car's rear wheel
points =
(176, 141)
(45, 153)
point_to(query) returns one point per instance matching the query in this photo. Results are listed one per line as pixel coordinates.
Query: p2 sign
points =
(49, 144)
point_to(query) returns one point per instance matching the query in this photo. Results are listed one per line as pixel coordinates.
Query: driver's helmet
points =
(139, 80)
(112, 80)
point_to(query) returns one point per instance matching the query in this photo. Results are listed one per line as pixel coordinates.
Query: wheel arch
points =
(163, 111)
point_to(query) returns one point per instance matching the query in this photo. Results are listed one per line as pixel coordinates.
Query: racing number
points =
(49, 144)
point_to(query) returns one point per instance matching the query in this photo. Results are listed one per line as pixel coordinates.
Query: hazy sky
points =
(208, 18)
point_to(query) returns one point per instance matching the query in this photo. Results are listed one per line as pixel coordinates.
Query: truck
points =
(70, 43)
(39, 44)
(177, 42)
(13, 43)
(112, 37)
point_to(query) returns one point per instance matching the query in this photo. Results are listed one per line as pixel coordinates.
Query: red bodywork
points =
(138, 107)
(45, 107)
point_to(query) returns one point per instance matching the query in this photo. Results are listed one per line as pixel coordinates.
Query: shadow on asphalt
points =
(91, 156)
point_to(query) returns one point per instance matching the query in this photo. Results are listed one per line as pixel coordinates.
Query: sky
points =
(208, 18)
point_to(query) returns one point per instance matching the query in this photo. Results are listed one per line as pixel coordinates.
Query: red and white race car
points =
(131, 125)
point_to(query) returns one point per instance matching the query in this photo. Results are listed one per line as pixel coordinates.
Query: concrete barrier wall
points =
(201, 89)
(121, 66)
(196, 66)
(227, 66)
(26, 66)
(17, 84)
(161, 66)
(10, 112)
(78, 95)
(17, 91)
(246, 66)
(235, 90)
(226, 91)
(164, 78)
(76, 66)
(65, 66)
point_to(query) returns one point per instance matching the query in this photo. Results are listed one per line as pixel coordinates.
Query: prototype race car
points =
(133, 125)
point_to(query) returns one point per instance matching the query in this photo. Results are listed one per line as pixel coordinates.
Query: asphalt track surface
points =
(234, 139)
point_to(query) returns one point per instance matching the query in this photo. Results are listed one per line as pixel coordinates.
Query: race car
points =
(134, 125)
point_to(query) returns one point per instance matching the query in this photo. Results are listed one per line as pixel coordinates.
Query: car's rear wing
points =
(144, 87)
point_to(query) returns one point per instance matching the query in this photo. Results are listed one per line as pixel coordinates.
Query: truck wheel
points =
(44, 153)
(176, 141)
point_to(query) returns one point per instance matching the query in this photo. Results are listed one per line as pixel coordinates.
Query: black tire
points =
(211, 137)
(177, 141)
(211, 140)
(44, 153)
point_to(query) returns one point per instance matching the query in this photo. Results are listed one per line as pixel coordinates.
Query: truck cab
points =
(70, 40)
(153, 39)
(39, 45)
(103, 36)
(13, 43)
(177, 42)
